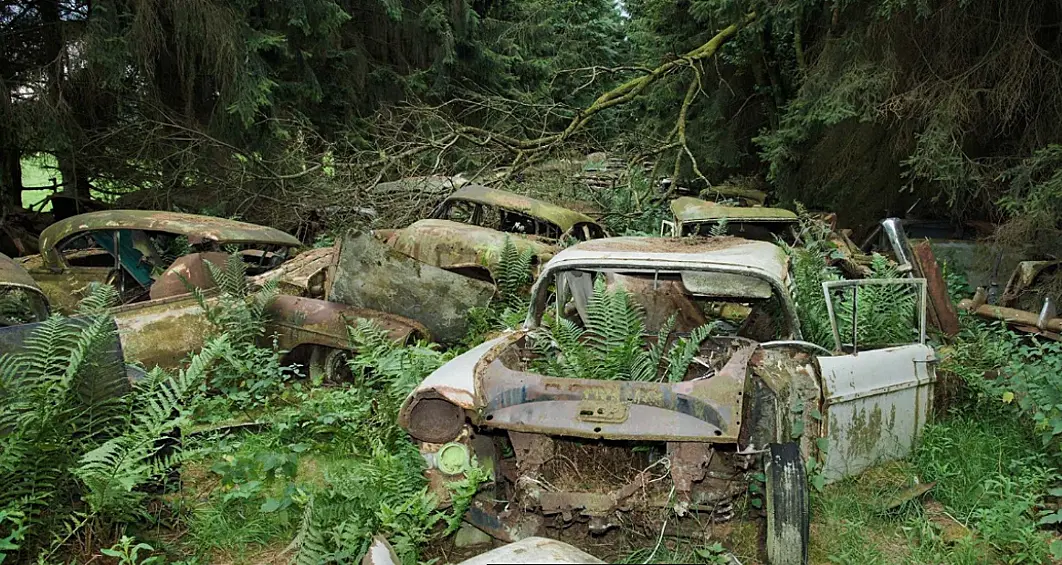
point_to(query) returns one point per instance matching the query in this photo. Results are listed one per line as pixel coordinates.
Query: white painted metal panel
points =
(875, 405)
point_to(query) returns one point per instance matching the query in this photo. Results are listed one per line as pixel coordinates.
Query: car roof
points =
(197, 228)
(13, 274)
(730, 253)
(689, 209)
(540, 209)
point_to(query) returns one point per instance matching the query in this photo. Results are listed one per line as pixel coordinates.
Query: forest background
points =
(286, 112)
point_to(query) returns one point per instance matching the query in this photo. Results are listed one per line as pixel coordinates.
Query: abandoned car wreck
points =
(155, 259)
(465, 232)
(690, 436)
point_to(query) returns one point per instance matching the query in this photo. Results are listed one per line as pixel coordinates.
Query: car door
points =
(877, 394)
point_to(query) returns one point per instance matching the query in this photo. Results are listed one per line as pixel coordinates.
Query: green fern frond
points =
(512, 275)
(101, 298)
(684, 350)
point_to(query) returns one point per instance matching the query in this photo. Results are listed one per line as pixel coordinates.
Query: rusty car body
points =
(756, 389)
(153, 258)
(1029, 302)
(21, 299)
(465, 232)
(693, 216)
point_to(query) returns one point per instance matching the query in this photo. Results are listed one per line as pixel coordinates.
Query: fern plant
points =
(612, 346)
(512, 275)
(238, 311)
(74, 446)
(885, 314)
(112, 472)
(247, 373)
(60, 396)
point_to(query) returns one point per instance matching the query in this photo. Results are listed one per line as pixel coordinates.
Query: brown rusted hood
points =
(448, 245)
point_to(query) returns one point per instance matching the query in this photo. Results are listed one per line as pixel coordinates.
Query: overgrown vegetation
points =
(614, 344)
(77, 451)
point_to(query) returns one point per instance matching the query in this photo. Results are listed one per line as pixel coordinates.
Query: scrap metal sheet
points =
(369, 274)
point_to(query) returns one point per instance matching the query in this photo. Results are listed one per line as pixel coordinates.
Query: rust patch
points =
(298, 320)
(942, 312)
(452, 245)
(187, 271)
(662, 244)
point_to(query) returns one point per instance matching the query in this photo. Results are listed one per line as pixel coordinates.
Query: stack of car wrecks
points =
(758, 398)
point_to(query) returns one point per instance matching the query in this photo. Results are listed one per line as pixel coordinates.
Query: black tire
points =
(788, 518)
(329, 365)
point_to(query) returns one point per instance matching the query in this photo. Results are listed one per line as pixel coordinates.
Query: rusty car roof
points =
(197, 228)
(540, 209)
(689, 209)
(13, 274)
(765, 258)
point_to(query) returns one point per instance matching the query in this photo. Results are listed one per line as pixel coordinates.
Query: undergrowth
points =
(885, 315)
(614, 344)
(78, 447)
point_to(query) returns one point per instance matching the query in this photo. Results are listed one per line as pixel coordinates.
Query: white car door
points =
(876, 397)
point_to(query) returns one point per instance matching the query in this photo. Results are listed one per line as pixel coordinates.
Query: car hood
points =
(450, 245)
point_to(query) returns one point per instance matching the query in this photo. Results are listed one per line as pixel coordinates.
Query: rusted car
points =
(21, 300)
(153, 257)
(693, 216)
(23, 306)
(593, 453)
(465, 232)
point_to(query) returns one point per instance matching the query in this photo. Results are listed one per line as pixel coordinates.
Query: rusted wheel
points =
(328, 364)
(788, 519)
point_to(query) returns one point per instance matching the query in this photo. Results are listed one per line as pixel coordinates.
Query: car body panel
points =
(196, 228)
(875, 405)
(370, 274)
(533, 549)
(689, 209)
(452, 245)
(23, 301)
(703, 410)
(162, 332)
(731, 255)
(562, 217)
(756, 222)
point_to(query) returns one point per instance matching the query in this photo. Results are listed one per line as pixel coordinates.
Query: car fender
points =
(297, 320)
(435, 410)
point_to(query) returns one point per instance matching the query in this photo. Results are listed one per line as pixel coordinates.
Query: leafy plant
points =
(247, 373)
(126, 553)
(112, 471)
(612, 345)
(513, 274)
(59, 399)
